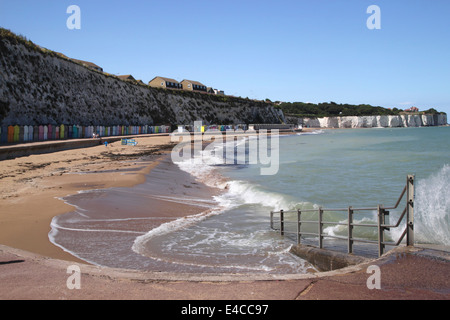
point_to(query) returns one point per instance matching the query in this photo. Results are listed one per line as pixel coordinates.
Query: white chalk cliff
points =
(376, 121)
(39, 87)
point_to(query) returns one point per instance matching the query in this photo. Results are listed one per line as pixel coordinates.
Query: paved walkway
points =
(405, 273)
(13, 150)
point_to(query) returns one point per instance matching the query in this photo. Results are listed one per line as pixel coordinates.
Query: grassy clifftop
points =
(332, 109)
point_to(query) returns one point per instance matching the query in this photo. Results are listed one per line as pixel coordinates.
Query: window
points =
(162, 83)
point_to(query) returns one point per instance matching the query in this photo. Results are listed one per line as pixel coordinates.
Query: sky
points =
(298, 50)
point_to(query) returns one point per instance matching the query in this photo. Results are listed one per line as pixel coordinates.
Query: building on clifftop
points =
(193, 86)
(89, 65)
(167, 83)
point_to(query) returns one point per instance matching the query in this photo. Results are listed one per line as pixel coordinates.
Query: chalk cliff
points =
(376, 121)
(40, 87)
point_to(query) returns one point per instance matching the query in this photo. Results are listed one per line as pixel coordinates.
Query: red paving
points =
(405, 274)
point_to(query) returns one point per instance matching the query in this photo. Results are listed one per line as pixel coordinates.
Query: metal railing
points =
(381, 225)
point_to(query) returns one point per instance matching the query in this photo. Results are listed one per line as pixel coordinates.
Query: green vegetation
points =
(433, 111)
(16, 39)
(332, 109)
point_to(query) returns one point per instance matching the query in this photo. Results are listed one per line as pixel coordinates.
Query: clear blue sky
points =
(300, 50)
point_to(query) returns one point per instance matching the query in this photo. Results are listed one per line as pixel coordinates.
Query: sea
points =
(334, 168)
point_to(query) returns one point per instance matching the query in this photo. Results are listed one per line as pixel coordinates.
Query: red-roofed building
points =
(412, 109)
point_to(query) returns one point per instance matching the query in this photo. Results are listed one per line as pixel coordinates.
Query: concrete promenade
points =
(405, 274)
(9, 151)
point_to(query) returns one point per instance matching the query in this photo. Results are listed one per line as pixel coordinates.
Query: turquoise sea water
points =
(329, 168)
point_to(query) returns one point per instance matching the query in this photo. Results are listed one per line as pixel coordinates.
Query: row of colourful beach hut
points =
(14, 134)
(201, 128)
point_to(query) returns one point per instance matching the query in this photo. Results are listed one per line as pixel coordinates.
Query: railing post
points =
(282, 222)
(410, 210)
(320, 227)
(381, 222)
(350, 230)
(271, 219)
(299, 224)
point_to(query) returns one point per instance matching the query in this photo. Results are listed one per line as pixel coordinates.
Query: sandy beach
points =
(31, 186)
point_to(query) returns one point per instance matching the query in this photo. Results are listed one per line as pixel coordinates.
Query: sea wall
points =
(41, 87)
(326, 260)
(376, 121)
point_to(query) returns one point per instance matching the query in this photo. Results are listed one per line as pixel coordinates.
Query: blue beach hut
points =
(54, 135)
(21, 134)
(4, 134)
(25, 133)
(30, 133)
(45, 133)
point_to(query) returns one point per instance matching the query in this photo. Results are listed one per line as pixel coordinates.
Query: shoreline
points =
(32, 187)
(125, 217)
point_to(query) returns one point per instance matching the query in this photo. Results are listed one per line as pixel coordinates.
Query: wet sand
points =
(113, 218)
(31, 186)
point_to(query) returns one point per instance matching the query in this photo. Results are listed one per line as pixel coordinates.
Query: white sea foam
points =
(139, 245)
(52, 238)
(243, 192)
(58, 227)
(431, 214)
(204, 174)
(363, 233)
(432, 209)
(235, 193)
(78, 209)
(319, 131)
(195, 201)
